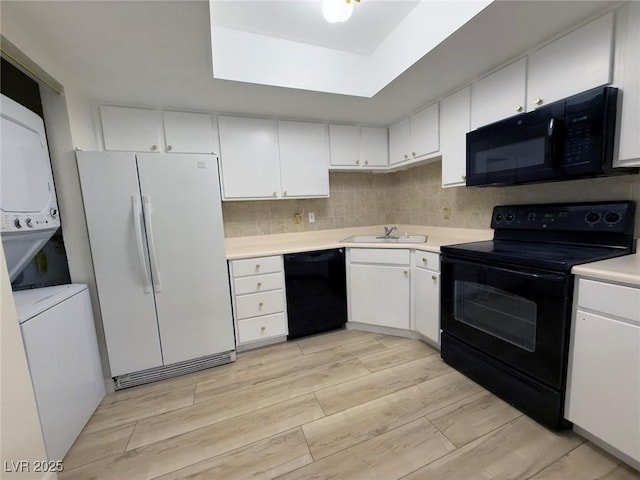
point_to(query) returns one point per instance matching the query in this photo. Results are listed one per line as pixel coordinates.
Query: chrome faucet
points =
(388, 231)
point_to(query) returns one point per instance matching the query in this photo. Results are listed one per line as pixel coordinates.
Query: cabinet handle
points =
(519, 108)
(464, 177)
(424, 260)
(538, 101)
(414, 154)
(260, 305)
(169, 148)
(154, 148)
(284, 194)
(357, 162)
(366, 162)
(263, 328)
(406, 273)
(406, 156)
(258, 285)
(434, 278)
(257, 266)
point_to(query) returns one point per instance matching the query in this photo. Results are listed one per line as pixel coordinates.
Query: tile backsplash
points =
(413, 196)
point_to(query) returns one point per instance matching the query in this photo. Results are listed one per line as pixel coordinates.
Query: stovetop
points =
(545, 256)
(554, 236)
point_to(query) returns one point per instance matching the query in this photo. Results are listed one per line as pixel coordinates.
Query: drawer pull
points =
(257, 266)
(260, 305)
(424, 259)
(434, 278)
(406, 273)
(258, 285)
(263, 328)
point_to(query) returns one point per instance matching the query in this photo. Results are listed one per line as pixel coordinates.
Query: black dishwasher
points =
(316, 287)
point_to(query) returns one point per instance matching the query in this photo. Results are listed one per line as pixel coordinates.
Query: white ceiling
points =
(302, 21)
(158, 53)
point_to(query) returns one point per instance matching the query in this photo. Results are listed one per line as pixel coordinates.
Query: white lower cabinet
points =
(603, 383)
(426, 295)
(259, 301)
(379, 287)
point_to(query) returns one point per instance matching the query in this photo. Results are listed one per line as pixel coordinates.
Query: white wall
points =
(20, 434)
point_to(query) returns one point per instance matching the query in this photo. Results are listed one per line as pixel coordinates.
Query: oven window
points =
(496, 312)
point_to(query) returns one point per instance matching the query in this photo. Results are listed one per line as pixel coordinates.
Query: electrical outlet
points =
(446, 213)
(297, 218)
(312, 217)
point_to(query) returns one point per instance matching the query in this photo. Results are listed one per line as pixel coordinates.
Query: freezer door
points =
(183, 218)
(113, 208)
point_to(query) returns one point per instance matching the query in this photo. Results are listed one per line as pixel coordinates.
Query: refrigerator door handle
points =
(137, 214)
(146, 208)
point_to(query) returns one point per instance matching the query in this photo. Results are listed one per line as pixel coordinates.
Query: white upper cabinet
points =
(455, 121)
(574, 63)
(399, 142)
(187, 132)
(131, 129)
(344, 145)
(358, 147)
(425, 132)
(248, 158)
(499, 95)
(304, 159)
(627, 79)
(145, 130)
(374, 146)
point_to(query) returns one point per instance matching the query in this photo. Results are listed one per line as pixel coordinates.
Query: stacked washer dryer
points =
(56, 322)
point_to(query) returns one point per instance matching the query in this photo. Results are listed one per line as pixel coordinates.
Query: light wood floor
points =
(343, 405)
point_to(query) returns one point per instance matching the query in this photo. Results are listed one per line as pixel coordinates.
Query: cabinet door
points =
(248, 158)
(186, 132)
(399, 142)
(627, 78)
(187, 255)
(604, 381)
(499, 95)
(304, 159)
(130, 129)
(454, 125)
(572, 64)
(426, 289)
(343, 145)
(425, 132)
(374, 146)
(112, 201)
(380, 295)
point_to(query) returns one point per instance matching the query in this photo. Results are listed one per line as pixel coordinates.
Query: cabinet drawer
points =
(257, 304)
(256, 266)
(260, 328)
(258, 283)
(618, 300)
(428, 260)
(380, 255)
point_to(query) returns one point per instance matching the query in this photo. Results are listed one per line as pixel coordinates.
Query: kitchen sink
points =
(381, 239)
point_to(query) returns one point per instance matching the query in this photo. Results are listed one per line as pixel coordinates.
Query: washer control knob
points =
(53, 212)
(29, 223)
(17, 223)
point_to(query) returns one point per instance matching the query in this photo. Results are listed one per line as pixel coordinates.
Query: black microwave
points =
(567, 139)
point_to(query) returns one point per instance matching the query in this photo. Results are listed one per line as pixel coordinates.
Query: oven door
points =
(517, 316)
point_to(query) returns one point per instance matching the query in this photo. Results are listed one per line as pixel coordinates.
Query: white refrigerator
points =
(157, 242)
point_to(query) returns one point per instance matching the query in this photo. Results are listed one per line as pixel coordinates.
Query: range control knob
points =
(498, 217)
(509, 217)
(612, 217)
(53, 212)
(592, 217)
(17, 223)
(29, 223)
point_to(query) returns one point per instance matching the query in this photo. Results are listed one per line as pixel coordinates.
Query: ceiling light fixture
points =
(336, 11)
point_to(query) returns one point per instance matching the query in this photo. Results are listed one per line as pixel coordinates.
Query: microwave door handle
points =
(551, 142)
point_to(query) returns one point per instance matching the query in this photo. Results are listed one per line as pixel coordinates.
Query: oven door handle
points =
(554, 277)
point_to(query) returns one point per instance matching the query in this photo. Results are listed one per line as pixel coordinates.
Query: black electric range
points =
(506, 303)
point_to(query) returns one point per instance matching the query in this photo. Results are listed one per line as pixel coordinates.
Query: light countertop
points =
(278, 244)
(620, 270)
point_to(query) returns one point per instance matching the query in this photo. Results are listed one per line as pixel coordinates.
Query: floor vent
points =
(174, 370)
